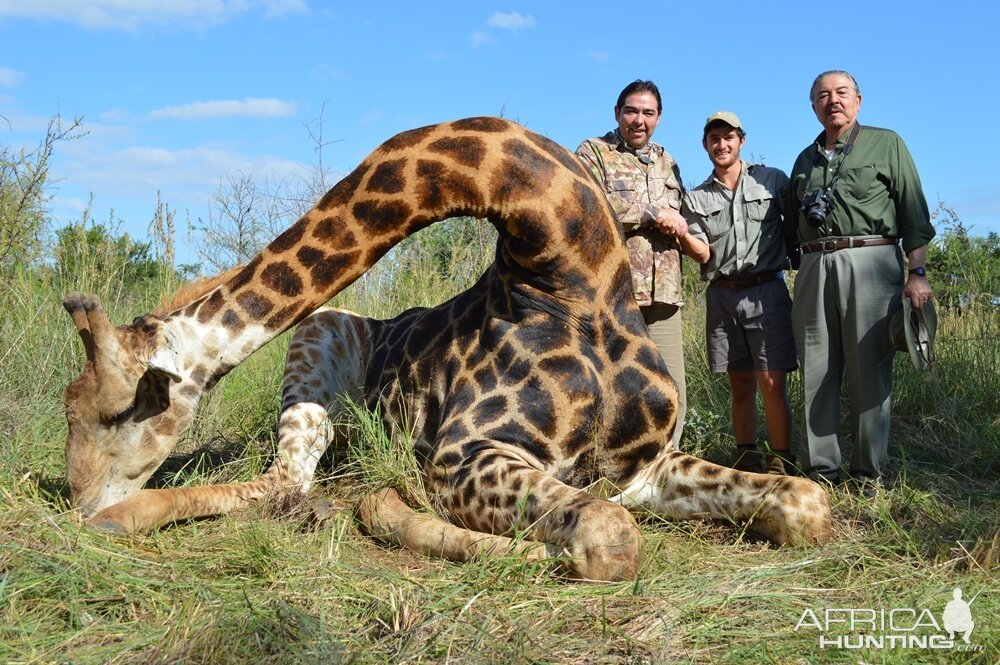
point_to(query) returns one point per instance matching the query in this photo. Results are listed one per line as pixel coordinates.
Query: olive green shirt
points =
(878, 191)
(743, 228)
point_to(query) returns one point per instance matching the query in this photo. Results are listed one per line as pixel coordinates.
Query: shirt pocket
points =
(761, 206)
(622, 195)
(665, 191)
(710, 218)
(861, 183)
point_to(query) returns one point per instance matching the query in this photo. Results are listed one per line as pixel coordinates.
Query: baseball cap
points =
(727, 117)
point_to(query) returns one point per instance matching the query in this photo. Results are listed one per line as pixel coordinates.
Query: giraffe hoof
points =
(106, 522)
(606, 544)
(324, 510)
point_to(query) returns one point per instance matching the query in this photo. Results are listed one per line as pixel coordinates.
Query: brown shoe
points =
(746, 458)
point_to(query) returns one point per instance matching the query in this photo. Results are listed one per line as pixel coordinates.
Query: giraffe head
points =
(127, 409)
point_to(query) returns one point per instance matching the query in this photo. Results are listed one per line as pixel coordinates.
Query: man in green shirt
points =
(748, 324)
(860, 208)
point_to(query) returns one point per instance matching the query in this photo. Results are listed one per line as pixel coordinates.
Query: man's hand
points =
(918, 289)
(670, 222)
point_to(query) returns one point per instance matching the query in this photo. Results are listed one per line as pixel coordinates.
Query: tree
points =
(966, 267)
(24, 193)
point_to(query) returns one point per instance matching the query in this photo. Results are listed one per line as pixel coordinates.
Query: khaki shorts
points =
(750, 329)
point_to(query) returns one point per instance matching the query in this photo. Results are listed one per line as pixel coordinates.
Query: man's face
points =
(637, 118)
(836, 103)
(723, 144)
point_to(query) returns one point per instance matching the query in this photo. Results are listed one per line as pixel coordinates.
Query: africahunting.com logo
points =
(895, 628)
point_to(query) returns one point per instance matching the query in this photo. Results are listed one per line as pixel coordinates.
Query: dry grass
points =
(257, 587)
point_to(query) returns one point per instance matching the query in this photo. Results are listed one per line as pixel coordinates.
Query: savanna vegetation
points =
(262, 587)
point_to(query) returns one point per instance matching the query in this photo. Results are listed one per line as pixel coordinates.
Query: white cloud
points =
(511, 21)
(482, 38)
(10, 78)
(132, 14)
(600, 56)
(249, 107)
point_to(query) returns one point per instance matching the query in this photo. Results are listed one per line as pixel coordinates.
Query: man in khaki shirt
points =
(738, 212)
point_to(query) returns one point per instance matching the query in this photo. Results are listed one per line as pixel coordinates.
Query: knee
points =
(803, 513)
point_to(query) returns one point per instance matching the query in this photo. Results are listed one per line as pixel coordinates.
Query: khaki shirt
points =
(638, 186)
(743, 227)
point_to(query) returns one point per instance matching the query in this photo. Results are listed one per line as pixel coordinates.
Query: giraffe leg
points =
(323, 369)
(495, 491)
(386, 517)
(784, 509)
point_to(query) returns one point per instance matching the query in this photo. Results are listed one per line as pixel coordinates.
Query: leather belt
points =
(747, 282)
(834, 244)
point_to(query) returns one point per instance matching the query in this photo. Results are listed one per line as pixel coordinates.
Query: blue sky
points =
(176, 95)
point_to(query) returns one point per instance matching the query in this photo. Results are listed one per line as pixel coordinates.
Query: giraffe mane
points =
(191, 291)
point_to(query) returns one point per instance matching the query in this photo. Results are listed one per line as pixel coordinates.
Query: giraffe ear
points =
(164, 362)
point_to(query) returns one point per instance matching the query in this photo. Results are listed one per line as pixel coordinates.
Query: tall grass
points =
(262, 587)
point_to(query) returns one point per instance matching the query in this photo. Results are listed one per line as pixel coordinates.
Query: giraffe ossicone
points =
(527, 389)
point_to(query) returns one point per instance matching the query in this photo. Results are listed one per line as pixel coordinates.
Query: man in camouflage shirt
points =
(643, 185)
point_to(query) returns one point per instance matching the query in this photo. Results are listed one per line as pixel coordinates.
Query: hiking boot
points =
(746, 458)
(780, 463)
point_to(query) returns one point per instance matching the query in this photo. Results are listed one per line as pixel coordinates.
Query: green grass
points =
(263, 587)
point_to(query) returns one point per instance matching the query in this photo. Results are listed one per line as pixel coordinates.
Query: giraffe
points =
(524, 394)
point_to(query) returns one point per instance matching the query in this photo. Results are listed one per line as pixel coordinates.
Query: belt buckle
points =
(829, 245)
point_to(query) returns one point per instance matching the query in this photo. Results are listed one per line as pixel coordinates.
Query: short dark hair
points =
(719, 123)
(639, 85)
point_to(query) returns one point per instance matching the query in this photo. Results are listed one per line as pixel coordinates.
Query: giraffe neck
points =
(557, 235)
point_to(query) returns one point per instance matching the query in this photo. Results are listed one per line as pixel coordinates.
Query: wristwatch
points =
(919, 272)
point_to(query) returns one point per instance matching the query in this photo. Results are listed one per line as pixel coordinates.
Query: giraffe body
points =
(520, 393)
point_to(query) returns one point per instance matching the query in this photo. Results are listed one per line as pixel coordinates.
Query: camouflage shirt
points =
(638, 185)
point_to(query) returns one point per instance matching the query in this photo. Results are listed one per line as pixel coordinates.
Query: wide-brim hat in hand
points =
(913, 332)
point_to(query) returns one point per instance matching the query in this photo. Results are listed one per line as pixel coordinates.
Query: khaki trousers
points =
(842, 306)
(664, 323)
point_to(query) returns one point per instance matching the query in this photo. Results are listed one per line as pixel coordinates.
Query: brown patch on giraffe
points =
(255, 305)
(232, 321)
(211, 307)
(283, 317)
(381, 217)
(343, 192)
(388, 177)
(524, 172)
(280, 277)
(407, 139)
(192, 309)
(483, 124)
(591, 241)
(560, 154)
(711, 471)
(441, 187)
(244, 276)
(323, 274)
(309, 256)
(334, 233)
(289, 239)
(467, 151)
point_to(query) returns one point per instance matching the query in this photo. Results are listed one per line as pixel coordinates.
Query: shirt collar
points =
(647, 154)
